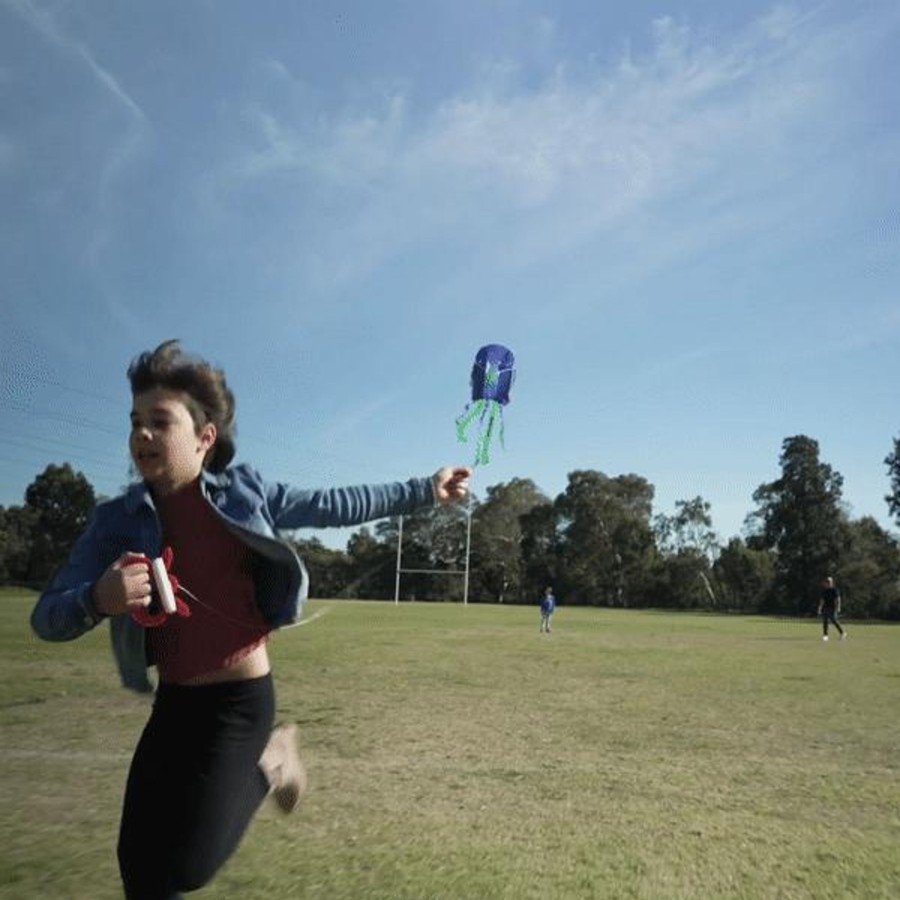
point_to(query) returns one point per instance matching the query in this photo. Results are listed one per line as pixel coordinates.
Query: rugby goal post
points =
(463, 572)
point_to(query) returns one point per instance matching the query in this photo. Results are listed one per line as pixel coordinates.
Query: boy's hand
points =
(124, 585)
(451, 484)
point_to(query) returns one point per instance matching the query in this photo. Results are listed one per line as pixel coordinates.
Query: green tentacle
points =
(465, 420)
(483, 452)
(491, 414)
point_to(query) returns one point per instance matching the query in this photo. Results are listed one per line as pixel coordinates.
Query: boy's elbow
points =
(40, 622)
(50, 622)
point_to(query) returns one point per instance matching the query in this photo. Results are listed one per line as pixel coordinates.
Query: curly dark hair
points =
(207, 395)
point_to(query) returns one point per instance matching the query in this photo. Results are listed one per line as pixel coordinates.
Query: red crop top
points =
(210, 562)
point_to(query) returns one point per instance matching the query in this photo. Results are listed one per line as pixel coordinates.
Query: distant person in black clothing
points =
(830, 608)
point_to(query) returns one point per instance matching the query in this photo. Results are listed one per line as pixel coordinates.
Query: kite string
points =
(216, 612)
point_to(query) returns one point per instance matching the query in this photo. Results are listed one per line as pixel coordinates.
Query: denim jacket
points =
(253, 510)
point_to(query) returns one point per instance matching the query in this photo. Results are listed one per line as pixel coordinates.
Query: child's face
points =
(165, 444)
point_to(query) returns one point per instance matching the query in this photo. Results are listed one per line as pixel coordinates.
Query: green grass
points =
(456, 753)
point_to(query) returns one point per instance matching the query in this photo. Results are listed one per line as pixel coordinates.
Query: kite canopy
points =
(493, 374)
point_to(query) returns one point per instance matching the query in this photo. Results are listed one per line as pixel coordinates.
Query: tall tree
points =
(869, 579)
(62, 502)
(329, 570)
(689, 529)
(540, 549)
(498, 570)
(800, 517)
(687, 545)
(892, 461)
(743, 577)
(372, 564)
(606, 542)
(17, 528)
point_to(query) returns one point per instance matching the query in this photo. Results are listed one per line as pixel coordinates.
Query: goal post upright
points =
(468, 549)
(399, 559)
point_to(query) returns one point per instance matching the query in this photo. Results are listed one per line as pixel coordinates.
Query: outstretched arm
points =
(297, 508)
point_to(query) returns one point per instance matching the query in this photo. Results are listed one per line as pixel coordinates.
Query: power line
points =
(106, 398)
(40, 443)
(17, 462)
(68, 420)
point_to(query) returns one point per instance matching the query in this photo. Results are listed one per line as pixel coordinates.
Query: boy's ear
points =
(208, 435)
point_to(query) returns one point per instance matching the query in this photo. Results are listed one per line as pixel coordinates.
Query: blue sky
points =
(681, 216)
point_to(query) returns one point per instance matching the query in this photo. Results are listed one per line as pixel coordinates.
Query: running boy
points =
(207, 756)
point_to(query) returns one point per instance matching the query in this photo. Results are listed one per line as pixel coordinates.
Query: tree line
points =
(598, 544)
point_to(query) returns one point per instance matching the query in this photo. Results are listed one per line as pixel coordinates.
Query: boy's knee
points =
(158, 874)
(190, 872)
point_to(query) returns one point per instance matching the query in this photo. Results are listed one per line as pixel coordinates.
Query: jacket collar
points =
(138, 494)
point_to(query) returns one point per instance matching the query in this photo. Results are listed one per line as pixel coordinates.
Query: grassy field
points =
(456, 753)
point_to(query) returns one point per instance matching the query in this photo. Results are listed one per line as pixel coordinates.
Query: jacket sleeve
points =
(65, 610)
(296, 508)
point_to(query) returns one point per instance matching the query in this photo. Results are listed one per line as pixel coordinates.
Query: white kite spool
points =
(163, 586)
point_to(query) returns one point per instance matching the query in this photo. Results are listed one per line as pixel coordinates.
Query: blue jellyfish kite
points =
(492, 376)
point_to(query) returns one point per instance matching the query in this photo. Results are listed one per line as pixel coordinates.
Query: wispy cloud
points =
(350, 421)
(43, 21)
(556, 166)
(123, 144)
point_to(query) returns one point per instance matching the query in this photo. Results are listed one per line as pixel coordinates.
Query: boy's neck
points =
(165, 488)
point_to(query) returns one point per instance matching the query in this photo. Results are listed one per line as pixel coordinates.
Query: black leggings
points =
(194, 785)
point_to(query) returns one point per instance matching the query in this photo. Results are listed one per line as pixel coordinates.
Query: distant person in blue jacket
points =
(548, 605)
